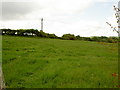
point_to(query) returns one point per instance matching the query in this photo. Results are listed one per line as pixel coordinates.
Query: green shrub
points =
(78, 37)
(69, 37)
(52, 36)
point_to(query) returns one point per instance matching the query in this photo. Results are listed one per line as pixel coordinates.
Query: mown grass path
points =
(30, 62)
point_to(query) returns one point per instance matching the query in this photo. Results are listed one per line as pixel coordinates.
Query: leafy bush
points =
(78, 37)
(52, 36)
(86, 38)
(69, 37)
(112, 40)
(42, 34)
(35, 32)
(8, 32)
(95, 38)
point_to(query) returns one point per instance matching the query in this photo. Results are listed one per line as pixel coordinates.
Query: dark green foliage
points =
(112, 40)
(78, 37)
(95, 38)
(105, 39)
(27, 32)
(42, 34)
(86, 38)
(52, 36)
(0, 32)
(99, 39)
(35, 32)
(69, 37)
(20, 32)
(8, 31)
(11, 32)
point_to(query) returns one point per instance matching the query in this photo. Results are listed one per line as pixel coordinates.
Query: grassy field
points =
(52, 63)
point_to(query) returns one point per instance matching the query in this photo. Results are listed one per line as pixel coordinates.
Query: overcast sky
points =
(79, 17)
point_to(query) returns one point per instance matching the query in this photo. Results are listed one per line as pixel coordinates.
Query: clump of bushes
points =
(27, 32)
(105, 39)
(35, 32)
(69, 37)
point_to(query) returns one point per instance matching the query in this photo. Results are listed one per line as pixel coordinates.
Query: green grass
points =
(30, 62)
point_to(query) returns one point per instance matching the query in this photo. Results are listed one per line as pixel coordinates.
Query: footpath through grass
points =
(30, 62)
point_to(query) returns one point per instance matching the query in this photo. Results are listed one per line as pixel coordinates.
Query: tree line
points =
(35, 32)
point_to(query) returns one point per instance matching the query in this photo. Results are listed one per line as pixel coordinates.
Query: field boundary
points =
(2, 84)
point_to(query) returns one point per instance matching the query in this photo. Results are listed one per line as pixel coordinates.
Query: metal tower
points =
(41, 23)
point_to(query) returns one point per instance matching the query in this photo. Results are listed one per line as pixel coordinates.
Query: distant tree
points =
(78, 37)
(69, 37)
(103, 39)
(112, 40)
(52, 36)
(0, 32)
(86, 38)
(36, 32)
(95, 38)
(10, 32)
(32, 31)
(20, 32)
(42, 34)
(4, 31)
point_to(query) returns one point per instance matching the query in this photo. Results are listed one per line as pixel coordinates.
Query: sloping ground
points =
(53, 63)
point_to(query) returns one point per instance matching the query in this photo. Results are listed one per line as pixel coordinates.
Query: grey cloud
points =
(16, 10)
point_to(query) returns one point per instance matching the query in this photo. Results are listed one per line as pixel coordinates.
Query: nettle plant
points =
(117, 15)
